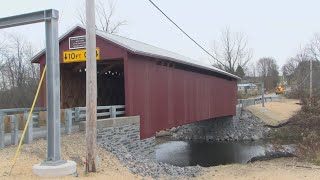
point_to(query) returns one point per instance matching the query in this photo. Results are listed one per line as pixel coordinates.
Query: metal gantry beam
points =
(29, 18)
(50, 17)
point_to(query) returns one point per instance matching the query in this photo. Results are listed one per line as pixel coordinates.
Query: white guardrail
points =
(71, 116)
(103, 112)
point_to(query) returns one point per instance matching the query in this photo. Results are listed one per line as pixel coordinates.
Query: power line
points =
(184, 31)
(303, 81)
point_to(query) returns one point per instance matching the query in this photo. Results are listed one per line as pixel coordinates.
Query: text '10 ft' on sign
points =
(77, 55)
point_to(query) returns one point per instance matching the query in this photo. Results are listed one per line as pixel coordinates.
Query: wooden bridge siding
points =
(165, 97)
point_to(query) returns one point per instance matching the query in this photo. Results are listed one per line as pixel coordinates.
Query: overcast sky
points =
(274, 28)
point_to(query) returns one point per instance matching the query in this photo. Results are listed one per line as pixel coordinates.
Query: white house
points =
(247, 86)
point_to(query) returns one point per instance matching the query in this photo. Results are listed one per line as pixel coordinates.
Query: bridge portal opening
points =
(110, 83)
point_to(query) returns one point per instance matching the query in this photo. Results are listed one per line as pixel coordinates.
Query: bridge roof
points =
(140, 48)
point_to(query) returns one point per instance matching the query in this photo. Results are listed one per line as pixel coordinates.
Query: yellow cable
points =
(29, 117)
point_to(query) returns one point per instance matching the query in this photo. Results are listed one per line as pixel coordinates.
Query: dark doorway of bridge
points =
(205, 154)
(110, 79)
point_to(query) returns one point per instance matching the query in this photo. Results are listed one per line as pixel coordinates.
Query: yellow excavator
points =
(280, 90)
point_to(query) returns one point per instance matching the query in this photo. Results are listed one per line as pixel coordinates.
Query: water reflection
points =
(184, 153)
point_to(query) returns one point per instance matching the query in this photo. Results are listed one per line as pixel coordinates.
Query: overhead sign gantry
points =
(50, 17)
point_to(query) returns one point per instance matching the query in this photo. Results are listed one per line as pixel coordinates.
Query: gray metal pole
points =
(53, 89)
(262, 93)
(2, 139)
(310, 82)
(91, 87)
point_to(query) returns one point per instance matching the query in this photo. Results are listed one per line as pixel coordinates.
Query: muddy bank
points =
(276, 151)
(283, 168)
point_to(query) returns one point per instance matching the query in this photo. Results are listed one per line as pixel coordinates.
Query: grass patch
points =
(303, 129)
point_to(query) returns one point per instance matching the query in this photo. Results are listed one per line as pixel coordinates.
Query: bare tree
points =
(231, 51)
(268, 71)
(289, 69)
(19, 77)
(2, 79)
(105, 17)
(290, 66)
(313, 48)
(250, 70)
(297, 69)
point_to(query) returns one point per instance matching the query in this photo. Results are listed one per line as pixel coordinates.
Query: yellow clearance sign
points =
(77, 55)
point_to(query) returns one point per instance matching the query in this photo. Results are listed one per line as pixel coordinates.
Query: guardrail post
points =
(77, 114)
(2, 116)
(113, 112)
(68, 120)
(28, 136)
(14, 129)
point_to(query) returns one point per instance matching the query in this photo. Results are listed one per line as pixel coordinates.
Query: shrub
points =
(309, 148)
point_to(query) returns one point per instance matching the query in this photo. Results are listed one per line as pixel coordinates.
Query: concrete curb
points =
(65, 169)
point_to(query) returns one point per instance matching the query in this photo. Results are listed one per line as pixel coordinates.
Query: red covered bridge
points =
(164, 88)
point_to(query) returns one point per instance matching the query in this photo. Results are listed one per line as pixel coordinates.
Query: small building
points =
(164, 88)
(247, 86)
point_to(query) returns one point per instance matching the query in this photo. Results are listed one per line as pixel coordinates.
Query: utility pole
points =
(310, 82)
(262, 93)
(91, 87)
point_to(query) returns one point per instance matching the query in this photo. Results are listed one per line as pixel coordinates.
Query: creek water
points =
(188, 153)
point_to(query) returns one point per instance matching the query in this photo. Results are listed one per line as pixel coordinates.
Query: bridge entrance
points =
(110, 79)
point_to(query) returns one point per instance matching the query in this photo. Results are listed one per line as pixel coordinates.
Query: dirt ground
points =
(275, 113)
(72, 148)
(278, 169)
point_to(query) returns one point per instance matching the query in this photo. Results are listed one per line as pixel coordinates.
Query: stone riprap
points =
(128, 137)
(121, 136)
(150, 167)
(243, 127)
